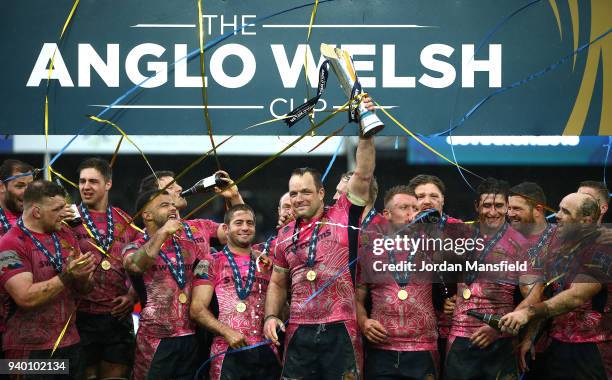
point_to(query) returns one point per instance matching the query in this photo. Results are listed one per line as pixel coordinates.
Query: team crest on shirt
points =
(193, 229)
(119, 227)
(201, 270)
(9, 260)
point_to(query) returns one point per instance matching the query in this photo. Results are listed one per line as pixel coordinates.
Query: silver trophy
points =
(342, 65)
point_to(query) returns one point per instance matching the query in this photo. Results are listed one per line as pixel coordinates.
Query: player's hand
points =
(226, 192)
(235, 339)
(484, 336)
(171, 227)
(368, 103)
(67, 212)
(605, 236)
(82, 267)
(524, 348)
(270, 329)
(449, 305)
(123, 306)
(512, 322)
(374, 331)
(284, 219)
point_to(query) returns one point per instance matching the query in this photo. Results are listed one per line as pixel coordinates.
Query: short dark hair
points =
(493, 186)
(424, 179)
(146, 196)
(589, 207)
(11, 166)
(316, 175)
(398, 189)
(151, 182)
(99, 164)
(347, 174)
(40, 189)
(600, 187)
(229, 214)
(531, 192)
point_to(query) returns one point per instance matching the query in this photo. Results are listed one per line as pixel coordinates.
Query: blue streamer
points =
(316, 293)
(188, 57)
(230, 351)
(521, 82)
(331, 162)
(457, 165)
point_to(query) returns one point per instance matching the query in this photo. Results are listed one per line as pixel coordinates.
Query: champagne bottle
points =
(77, 219)
(205, 185)
(490, 319)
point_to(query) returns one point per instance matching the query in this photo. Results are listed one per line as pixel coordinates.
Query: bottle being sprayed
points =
(77, 219)
(205, 185)
(490, 319)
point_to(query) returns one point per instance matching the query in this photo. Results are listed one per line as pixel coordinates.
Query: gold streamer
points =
(97, 119)
(61, 335)
(269, 159)
(313, 15)
(51, 170)
(112, 162)
(424, 143)
(46, 106)
(204, 91)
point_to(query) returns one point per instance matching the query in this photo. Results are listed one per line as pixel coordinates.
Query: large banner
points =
(494, 67)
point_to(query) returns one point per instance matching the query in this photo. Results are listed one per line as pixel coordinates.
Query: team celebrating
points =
(305, 303)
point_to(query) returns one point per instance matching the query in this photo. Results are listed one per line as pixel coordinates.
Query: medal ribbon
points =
(187, 230)
(368, 219)
(56, 260)
(4, 221)
(266, 247)
(178, 271)
(400, 278)
(471, 277)
(534, 251)
(103, 241)
(312, 248)
(243, 292)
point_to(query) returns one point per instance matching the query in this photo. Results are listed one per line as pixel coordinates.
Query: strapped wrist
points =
(66, 278)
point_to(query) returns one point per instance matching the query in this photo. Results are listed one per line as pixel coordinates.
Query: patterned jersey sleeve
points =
(278, 255)
(132, 247)
(210, 226)
(13, 258)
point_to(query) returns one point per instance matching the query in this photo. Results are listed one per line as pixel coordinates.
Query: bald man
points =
(599, 191)
(580, 306)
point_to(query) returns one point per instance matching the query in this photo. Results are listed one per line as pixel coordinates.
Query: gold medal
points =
(241, 307)
(105, 265)
(311, 275)
(182, 297)
(467, 293)
(402, 294)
